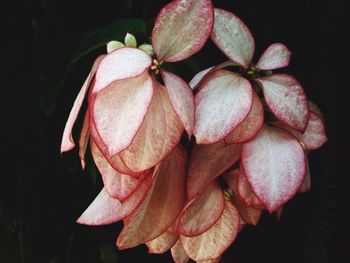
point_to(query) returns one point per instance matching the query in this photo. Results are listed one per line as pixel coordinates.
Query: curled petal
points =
(306, 186)
(274, 163)
(67, 143)
(286, 99)
(275, 56)
(181, 98)
(199, 77)
(182, 28)
(178, 253)
(208, 162)
(233, 37)
(222, 103)
(162, 243)
(212, 243)
(84, 139)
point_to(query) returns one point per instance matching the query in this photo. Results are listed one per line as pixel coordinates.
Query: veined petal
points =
(84, 139)
(67, 143)
(161, 206)
(158, 135)
(162, 243)
(203, 212)
(222, 103)
(275, 56)
(106, 210)
(179, 254)
(119, 110)
(233, 37)
(119, 186)
(181, 98)
(286, 99)
(274, 164)
(212, 243)
(182, 28)
(208, 162)
(123, 63)
(252, 124)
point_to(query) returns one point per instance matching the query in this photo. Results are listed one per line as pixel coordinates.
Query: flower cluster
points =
(250, 132)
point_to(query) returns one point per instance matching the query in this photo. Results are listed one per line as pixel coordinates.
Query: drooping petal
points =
(181, 98)
(106, 210)
(233, 37)
(203, 212)
(67, 143)
(84, 139)
(182, 28)
(179, 254)
(286, 99)
(161, 206)
(250, 126)
(249, 215)
(119, 110)
(160, 132)
(222, 103)
(207, 162)
(119, 186)
(123, 63)
(275, 56)
(306, 186)
(162, 243)
(274, 164)
(314, 136)
(212, 243)
(199, 77)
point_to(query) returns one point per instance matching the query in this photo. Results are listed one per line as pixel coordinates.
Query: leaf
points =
(222, 103)
(275, 56)
(182, 28)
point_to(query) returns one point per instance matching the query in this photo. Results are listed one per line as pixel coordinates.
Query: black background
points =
(43, 193)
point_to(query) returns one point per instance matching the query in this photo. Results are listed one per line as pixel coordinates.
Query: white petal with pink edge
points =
(275, 56)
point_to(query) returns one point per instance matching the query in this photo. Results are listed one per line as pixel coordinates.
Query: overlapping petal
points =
(162, 243)
(249, 215)
(84, 139)
(275, 56)
(179, 254)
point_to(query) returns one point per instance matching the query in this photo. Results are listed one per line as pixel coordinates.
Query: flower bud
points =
(113, 45)
(130, 40)
(147, 48)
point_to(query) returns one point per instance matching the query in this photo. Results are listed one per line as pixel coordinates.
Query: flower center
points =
(156, 66)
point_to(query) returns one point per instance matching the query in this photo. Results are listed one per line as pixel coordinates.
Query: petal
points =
(121, 64)
(160, 132)
(179, 254)
(106, 210)
(315, 109)
(181, 98)
(306, 186)
(248, 214)
(252, 124)
(67, 143)
(233, 37)
(84, 139)
(274, 163)
(203, 212)
(208, 162)
(275, 56)
(314, 136)
(222, 103)
(162, 243)
(197, 79)
(212, 243)
(182, 28)
(119, 110)
(286, 99)
(117, 185)
(162, 205)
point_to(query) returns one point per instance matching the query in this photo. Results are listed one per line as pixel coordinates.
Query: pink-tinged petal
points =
(162, 243)
(106, 210)
(208, 162)
(182, 28)
(119, 110)
(231, 179)
(274, 164)
(179, 254)
(161, 206)
(212, 243)
(306, 186)
(245, 192)
(203, 212)
(121, 64)
(248, 214)
(315, 109)
(286, 99)
(199, 77)
(160, 132)
(119, 186)
(84, 139)
(314, 136)
(67, 143)
(233, 37)
(275, 56)
(181, 98)
(252, 124)
(222, 103)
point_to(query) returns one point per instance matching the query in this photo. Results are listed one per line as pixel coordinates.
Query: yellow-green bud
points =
(113, 45)
(130, 40)
(147, 48)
